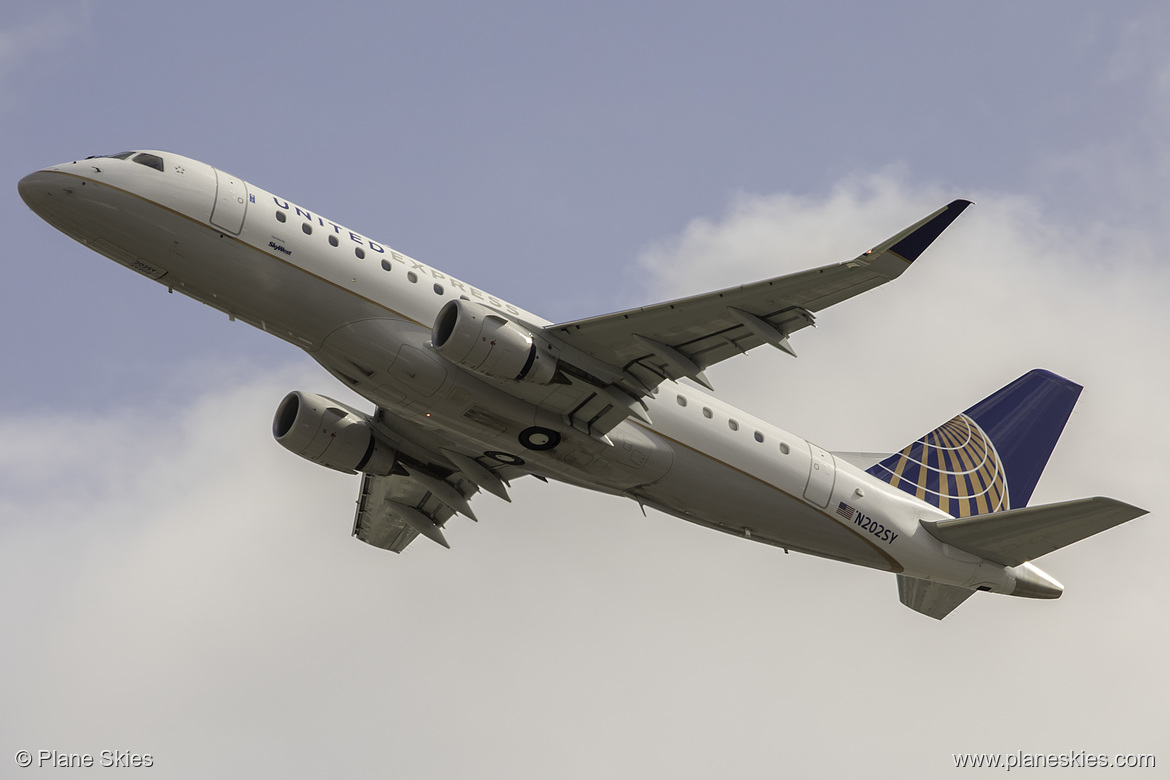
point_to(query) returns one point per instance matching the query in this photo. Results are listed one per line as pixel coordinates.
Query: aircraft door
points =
(231, 202)
(822, 473)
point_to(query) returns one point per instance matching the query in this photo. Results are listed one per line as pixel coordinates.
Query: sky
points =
(174, 583)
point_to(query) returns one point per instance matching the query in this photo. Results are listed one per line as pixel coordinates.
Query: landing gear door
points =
(822, 473)
(231, 202)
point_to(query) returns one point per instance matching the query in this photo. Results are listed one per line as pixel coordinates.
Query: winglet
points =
(893, 256)
(914, 241)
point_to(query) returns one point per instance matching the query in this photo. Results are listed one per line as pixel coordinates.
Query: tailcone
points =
(1032, 583)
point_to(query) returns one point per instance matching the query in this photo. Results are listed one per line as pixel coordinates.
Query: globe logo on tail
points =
(954, 467)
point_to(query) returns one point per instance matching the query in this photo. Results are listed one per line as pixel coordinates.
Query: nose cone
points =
(35, 187)
(46, 190)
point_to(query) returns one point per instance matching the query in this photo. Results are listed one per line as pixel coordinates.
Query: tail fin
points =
(933, 599)
(990, 457)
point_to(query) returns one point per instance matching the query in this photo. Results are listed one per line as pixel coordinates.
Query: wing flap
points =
(375, 523)
(417, 499)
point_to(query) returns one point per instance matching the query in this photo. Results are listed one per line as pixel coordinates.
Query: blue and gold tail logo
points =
(954, 467)
(963, 466)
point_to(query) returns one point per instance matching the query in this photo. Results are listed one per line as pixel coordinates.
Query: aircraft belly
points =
(263, 290)
(105, 219)
(428, 400)
(740, 504)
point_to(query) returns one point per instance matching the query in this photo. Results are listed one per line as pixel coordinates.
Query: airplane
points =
(472, 392)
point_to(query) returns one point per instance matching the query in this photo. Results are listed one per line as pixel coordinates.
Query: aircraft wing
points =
(420, 496)
(629, 353)
(378, 524)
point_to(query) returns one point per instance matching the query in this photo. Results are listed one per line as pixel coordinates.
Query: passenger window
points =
(759, 437)
(733, 425)
(412, 276)
(682, 401)
(386, 265)
(332, 240)
(361, 253)
(306, 228)
(280, 217)
(707, 413)
(438, 288)
(150, 161)
(784, 448)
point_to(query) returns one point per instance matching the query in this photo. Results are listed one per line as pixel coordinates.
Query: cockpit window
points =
(118, 156)
(121, 155)
(149, 160)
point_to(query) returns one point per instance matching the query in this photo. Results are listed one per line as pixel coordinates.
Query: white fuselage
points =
(364, 311)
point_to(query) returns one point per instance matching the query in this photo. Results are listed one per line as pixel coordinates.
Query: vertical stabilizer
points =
(933, 599)
(990, 457)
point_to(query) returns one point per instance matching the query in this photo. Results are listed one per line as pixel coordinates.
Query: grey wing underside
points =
(623, 356)
(712, 327)
(420, 497)
(376, 521)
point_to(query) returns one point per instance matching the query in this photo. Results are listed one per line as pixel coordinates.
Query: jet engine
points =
(330, 434)
(482, 340)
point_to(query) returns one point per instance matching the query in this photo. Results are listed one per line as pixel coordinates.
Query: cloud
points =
(178, 584)
(1112, 163)
(1006, 289)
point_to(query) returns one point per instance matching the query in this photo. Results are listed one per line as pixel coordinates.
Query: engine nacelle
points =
(330, 434)
(480, 339)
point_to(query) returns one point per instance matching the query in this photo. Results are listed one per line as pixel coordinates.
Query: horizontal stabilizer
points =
(933, 599)
(1018, 535)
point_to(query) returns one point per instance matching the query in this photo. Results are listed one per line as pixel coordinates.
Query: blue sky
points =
(182, 586)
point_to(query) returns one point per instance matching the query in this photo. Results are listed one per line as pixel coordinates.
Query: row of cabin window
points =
(411, 276)
(307, 229)
(732, 424)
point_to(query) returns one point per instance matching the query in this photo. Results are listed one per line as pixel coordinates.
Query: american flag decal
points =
(845, 510)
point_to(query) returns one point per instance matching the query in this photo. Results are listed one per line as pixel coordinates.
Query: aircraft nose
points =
(38, 190)
(32, 188)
